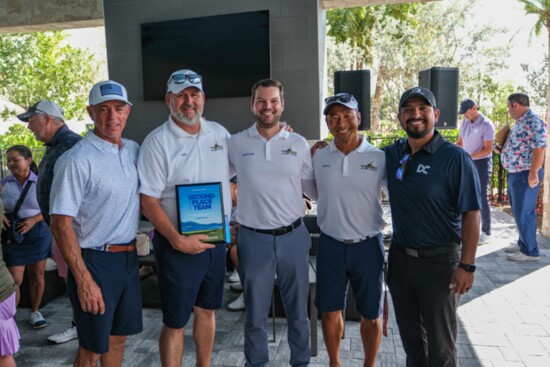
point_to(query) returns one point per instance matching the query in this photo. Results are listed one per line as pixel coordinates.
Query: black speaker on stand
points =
(356, 82)
(443, 82)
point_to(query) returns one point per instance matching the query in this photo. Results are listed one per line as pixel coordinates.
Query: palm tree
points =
(541, 8)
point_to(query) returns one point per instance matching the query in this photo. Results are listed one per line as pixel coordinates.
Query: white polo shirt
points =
(270, 174)
(169, 156)
(349, 191)
(96, 183)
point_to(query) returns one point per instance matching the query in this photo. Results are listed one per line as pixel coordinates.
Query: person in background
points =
(523, 157)
(349, 174)
(36, 245)
(238, 303)
(477, 134)
(95, 215)
(9, 337)
(435, 201)
(46, 121)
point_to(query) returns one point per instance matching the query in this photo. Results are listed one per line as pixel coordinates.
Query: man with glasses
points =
(46, 121)
(349, 176)
(185, 149)
(435, 202)
(274, 167)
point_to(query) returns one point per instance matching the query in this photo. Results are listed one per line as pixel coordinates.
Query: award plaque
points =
(200, 211)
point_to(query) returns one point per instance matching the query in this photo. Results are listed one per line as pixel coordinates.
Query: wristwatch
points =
(470, 268)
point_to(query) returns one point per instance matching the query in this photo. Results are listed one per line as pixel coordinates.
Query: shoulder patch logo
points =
(369, 167)
(289, 151)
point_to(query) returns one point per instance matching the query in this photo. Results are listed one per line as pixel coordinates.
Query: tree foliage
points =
(36, 66)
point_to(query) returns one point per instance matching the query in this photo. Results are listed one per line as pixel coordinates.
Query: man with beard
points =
(272, 165)
(435, 203)
(191, 274)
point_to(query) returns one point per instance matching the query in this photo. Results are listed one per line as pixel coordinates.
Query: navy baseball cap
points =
(466, 105)
(418, 92)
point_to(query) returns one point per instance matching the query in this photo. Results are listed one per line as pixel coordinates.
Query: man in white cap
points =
(95, 214)
(46, 121)
(185, 149)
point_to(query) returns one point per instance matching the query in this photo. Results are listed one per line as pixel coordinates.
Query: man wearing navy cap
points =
(435, 201)
(95, 213)
(349, 174)
(477, 134)
(186, 149)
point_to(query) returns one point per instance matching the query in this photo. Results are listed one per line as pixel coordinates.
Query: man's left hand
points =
(462, 281)
(533, 179)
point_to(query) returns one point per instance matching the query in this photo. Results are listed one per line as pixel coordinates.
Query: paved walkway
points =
(504, 321)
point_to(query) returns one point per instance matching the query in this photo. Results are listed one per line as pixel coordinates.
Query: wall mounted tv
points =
(230, 51)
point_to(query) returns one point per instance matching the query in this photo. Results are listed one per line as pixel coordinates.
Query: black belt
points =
(426, 251)
(277, 231)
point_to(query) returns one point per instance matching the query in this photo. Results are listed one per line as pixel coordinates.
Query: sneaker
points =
(234, 277)
(520, 256)
(37, 320)
(238, 304)
(484, 238)
(237, 287)
(64, 336)
(513, 248)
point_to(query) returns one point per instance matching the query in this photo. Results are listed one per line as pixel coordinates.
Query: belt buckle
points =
(412, 252)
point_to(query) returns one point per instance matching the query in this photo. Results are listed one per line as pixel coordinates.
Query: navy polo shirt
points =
(63, 140)
(439, 183)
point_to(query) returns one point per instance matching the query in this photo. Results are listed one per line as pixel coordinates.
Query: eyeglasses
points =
(181, 78)
(401, 169)
(340, 97)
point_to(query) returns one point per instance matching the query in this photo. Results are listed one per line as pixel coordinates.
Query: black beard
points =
(417, 134)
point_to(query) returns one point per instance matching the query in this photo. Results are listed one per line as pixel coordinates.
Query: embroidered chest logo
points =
(289, 151)
(216, 147)
(422, 169)
(369, 167)
(326, 166)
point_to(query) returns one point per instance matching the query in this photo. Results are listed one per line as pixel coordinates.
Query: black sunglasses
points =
(400, 173)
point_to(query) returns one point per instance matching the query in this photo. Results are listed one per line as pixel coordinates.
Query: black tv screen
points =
(230, 51)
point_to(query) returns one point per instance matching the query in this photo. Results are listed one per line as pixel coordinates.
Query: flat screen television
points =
(230, 51)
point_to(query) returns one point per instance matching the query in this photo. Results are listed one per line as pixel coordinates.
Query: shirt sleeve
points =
(152, 169)
(68, 187)
(538, 133)
(465, 184)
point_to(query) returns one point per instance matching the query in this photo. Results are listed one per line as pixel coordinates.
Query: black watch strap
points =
(470, 268)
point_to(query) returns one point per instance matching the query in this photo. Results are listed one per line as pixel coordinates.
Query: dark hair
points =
(266, 83)
(521, 98)
(25, 153)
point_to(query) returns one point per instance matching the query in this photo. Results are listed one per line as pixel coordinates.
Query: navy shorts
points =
(117, 276)
(359, 263)
(188, 280)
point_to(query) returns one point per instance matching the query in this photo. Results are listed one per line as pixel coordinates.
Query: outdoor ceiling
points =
(330, 4)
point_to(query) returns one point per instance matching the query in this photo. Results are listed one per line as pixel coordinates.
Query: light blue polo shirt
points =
(12, 191)
(97, 184)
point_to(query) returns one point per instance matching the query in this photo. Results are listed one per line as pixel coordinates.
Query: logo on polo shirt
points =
(216, 147)
(289, 151)
(422, 169)
(369, 167)
(326, 166)
(248, 154)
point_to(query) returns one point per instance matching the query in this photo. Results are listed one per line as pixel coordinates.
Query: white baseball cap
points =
(108, 91)
(181, 79)
(42, 108)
